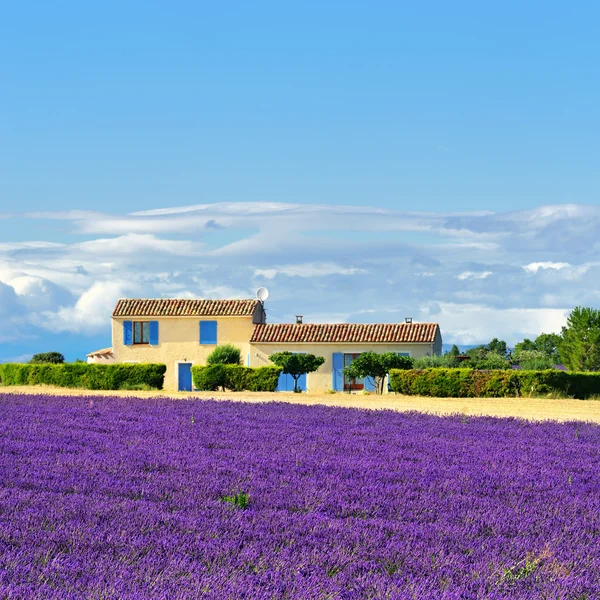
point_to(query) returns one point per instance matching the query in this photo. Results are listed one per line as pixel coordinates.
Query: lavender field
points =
(154, 498)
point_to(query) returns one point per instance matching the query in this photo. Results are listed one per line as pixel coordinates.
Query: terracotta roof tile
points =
(165, 307)
(103, 352)
(345, 332)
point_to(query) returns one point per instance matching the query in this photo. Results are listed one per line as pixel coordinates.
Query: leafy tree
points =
(533, 360)
(549, 344)
(296, 365)
(525, 346)
(580, 345)
(546, 343)
(227, 354)
(55, 358)
(454, 351)
(376, 366)
(497, 346)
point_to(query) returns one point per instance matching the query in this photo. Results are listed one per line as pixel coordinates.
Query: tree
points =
(549, 344)
(580, 345)
(525, 346)
(227, 354)
(497, 346)
(454, 351)
(532, 360)
(55, 358)
(376, 366)
(296, 365)
(546, 343)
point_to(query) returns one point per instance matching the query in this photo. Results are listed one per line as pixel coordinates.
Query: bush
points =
(471, 383)
(55, 358)
(86, 376)
(235, 377)
(227, 354)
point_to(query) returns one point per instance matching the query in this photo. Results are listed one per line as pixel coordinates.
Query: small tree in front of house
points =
(296, 365)
(227, 354)
(376, 366)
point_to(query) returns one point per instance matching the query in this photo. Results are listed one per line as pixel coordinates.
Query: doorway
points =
(184, 377)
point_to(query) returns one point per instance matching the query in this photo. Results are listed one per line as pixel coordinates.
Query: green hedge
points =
(83, 375)
(235, 377)
(470, 383)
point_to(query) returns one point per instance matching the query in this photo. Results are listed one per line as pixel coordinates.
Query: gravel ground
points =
(527, 408)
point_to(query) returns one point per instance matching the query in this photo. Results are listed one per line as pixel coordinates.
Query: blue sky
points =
(298, 141)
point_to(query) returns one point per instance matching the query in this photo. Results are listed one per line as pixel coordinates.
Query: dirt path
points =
(527, 408)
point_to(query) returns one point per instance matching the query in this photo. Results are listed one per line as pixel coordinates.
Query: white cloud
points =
(472, 275)
(536, 266)
(309, 270)
(475, 324)
(330, 263)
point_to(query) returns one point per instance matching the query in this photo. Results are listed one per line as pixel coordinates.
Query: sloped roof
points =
(187, 307)
(345, 332)
(103, 352)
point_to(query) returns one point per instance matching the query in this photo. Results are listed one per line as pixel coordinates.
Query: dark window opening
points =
(141, 332)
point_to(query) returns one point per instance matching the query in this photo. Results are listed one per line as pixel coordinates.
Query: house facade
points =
(183, 332)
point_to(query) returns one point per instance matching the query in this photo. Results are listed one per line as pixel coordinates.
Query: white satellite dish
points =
(262, 293)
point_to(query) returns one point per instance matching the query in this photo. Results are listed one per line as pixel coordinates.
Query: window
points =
(141, 332)
(208, 332)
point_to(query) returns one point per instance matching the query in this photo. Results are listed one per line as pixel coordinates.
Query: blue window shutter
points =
(127, 333)
(248, 359)
(208, 332)
(154, 333)
(337, 365)
(369, 384)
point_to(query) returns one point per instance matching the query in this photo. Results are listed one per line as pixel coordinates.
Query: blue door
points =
(286, 383)
(185, 377)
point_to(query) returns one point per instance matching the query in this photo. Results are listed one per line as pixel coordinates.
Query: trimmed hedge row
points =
(235, 378)
(83, 375)
(470, 383)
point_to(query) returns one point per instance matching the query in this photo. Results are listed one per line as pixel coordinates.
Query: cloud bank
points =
(479, 274)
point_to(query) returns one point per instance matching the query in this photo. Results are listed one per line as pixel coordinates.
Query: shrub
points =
(210, 378)
(83, 375)
(470, 383)
(55, 358)
(235, 377)
(227, 354)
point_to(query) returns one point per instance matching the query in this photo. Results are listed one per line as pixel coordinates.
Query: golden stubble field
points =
(526, 408)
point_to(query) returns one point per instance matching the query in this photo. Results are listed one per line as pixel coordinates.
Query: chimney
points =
(298, 319)
(408, 319)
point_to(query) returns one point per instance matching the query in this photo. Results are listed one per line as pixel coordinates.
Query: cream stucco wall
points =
(321, 380)
(178, 341)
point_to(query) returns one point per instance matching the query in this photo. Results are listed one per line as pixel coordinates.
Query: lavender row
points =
(156, 498)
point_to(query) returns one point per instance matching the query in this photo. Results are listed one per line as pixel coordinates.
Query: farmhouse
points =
(183, 332)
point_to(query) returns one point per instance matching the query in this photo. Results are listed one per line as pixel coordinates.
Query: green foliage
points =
(532, 360)
(447, 361)
(55, 358)
(454, 351)
(87, 376)
(376, 366)
(497, 346)
(239, 500)
(580, 345)
(227, 354)
(236, 378)
(297, 364)
(547, 344)
(471, 383)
